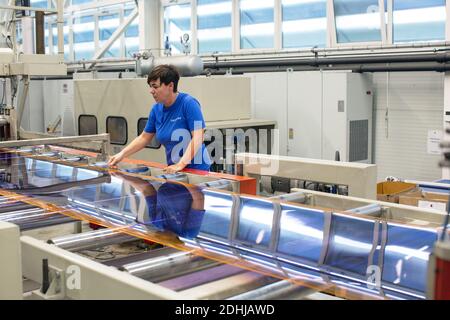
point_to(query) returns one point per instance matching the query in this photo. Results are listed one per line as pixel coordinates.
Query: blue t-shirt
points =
(173, 126)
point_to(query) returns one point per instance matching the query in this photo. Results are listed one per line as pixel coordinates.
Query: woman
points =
(177, 121)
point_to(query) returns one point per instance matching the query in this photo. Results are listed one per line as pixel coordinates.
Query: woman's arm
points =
(191, 151)
(137, 144)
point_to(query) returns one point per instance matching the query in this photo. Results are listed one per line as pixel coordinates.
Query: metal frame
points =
(51, 140)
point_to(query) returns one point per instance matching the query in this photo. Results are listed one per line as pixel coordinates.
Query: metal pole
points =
(92, 239)
(40, 36)
(60, 26)
(104, 137)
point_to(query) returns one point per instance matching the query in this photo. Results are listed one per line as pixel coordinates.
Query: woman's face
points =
(160, 91)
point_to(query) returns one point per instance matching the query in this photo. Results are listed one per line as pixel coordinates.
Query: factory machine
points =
(121, 108)
(199, 235)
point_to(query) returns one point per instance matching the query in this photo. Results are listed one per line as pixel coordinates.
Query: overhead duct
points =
(188, 66)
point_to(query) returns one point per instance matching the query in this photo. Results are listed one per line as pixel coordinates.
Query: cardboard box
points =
(418, 198)
(390, 191)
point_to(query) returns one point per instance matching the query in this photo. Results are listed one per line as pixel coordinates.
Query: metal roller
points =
(278, 290)
(89, 240)
(53, 220)
(14, 207)
(157, 266)
(22, 214)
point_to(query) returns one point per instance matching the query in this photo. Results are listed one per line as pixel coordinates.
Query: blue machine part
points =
(301, 233)
(255, 221)
(350, 243)
(217, 218)
(406, 256)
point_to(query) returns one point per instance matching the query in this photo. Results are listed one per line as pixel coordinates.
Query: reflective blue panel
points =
(86, 194)
(255, 221)
(351, 240)
(406, 256)
(304, 23)
(357, 20)
(112, 192)
(64, 173)
(301, 232)
(419, 20)
(43, 169)
(257, 23)
(214, 25)
(217, 218)
(84, 174)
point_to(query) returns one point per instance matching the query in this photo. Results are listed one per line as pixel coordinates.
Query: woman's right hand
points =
(115, 159)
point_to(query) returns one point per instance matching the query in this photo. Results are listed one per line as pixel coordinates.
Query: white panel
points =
(270, 102)
(33, 116)
(412, 105)
(52, 101)
(305, 114)
(334, 122)
(67, 109)
(10, 256)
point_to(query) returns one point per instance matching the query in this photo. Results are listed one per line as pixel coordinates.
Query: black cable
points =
(446, 220)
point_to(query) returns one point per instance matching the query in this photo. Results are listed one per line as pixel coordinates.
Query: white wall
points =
(407, 105)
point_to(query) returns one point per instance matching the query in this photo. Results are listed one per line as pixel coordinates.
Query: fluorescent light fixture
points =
(218, 33)
(255, 4)
(359, 21)
(177, 11)
(304, 25)
(80, 27)
(213, 9)
(257, 29)
(413, 16)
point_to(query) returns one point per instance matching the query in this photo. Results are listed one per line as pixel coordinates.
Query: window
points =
(304, 23)
(87, 125)
(140, 127)
(357, 20)
(39, 3)
(54, 31)
(257, 23)
(83, 37)
(107, 24)
(76, 2)
(418, 20)
(131, 35)
(177, 21)
(214, 25)
(118, 130)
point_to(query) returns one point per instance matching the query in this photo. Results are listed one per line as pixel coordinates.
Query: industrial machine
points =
(121, 107)
(19, 66)
(235, 245)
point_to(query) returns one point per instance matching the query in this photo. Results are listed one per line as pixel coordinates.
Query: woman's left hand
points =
(174, 168)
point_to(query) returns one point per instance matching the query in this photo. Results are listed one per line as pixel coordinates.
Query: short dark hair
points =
(166, 74)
